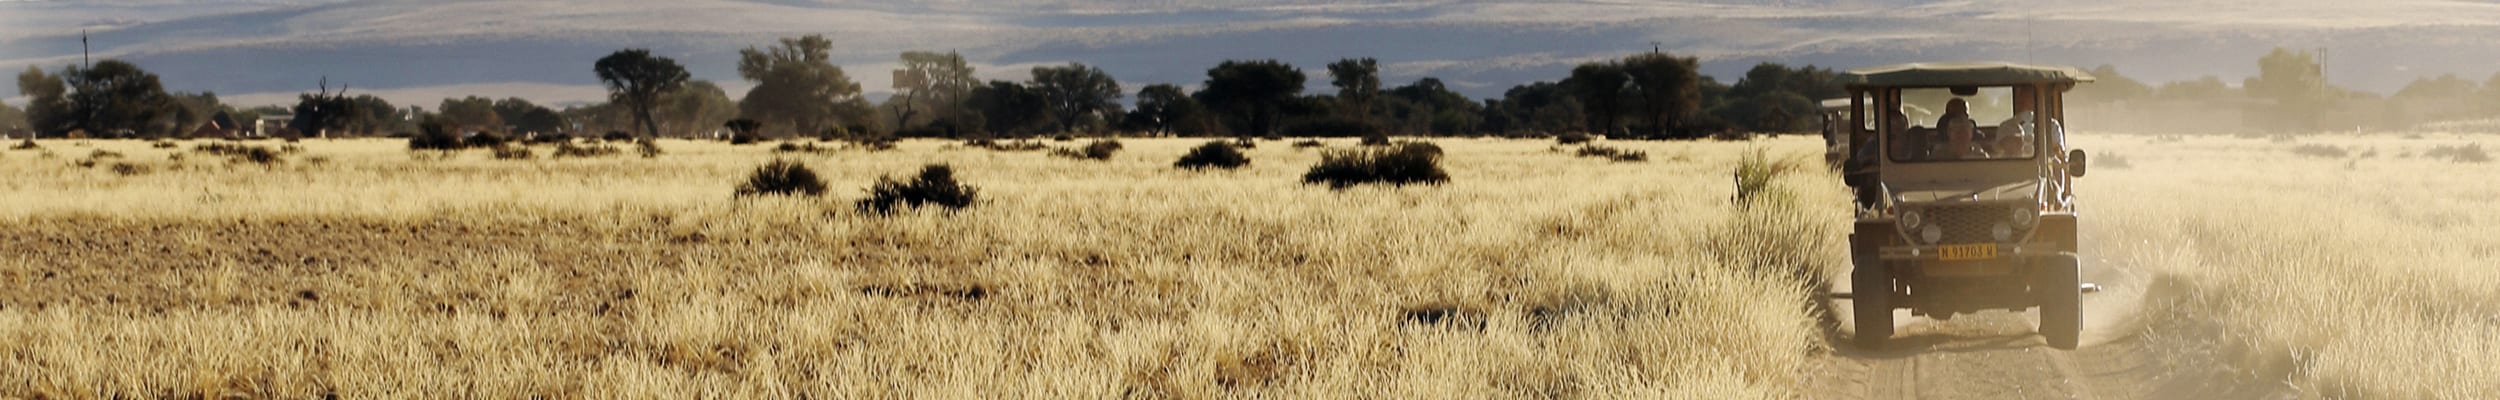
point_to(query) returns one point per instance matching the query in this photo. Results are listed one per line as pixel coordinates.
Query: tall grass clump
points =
(1215, 154)
(784, 178)
(648, 147)
(1754, 173)
(239, 153)
(1396, 165)
(569, 150)
(515, 153)
(934, 186)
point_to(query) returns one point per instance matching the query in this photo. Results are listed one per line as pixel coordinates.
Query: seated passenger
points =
(1958, 132)
(2013, 137)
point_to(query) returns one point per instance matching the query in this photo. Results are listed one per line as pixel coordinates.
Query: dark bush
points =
(570, 150)
(935, 186)
(1396, 165)
(239, 153)
(741, 139)
(1098, 150)
(516, 152)
(29, 144)
(433, 136)
(1062, 138)
(551, 138)
(782, 177)
(483, 140)
(1571, 138)
(617, 136)
(1217, 154)
(1020, 145)
(1375, 140)
(788, 147)
(1610, 153)
(1308, 143)
(1246, 143)
(877, 143)
(161, 144)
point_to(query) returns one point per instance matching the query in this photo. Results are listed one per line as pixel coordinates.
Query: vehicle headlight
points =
(1931, 234)
(2002, 233)
(2024, 215)
(1911, 219)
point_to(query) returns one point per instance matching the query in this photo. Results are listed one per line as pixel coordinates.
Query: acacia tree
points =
(1008, 108)
(1074, 91)
(1600, 88)
(637, 79)
(931, 81)
(1358, 84)
(1252, 92)
(1668, 87)
(1163, 109)
(796, 85)
(109, 97)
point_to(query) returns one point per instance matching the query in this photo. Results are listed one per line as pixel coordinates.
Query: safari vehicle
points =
(1964, 203)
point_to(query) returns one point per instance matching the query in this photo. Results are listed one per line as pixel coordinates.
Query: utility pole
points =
(83, 57)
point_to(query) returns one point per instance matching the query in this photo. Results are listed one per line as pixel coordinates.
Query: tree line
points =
(799, 92)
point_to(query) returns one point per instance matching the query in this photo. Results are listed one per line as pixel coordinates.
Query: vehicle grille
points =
(1966, 223)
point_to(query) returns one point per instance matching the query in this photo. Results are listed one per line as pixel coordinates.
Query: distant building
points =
(213, 129)
(271, 125)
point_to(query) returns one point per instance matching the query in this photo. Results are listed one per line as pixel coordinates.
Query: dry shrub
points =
(784, 178)
(1754, 173)
(1216, 154)
(1398, 165)
(935, 185)
(29, 144)
(1308, 143)
(808, 148)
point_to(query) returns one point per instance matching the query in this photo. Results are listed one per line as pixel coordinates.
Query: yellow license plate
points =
(1965, 252)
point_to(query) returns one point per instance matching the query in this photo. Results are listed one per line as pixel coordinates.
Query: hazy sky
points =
(416, 52)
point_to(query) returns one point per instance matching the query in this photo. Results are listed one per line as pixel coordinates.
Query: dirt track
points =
(1996, 355)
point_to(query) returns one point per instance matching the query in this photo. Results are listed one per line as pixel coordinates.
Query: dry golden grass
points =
(2367, 276)
(358, 269)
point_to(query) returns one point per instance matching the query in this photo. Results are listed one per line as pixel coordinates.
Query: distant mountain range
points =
(417, 52)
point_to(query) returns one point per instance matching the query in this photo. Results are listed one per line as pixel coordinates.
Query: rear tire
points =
(1871, 300)
(2061, 300)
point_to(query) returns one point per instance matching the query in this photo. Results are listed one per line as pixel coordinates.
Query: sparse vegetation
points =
(1396, 165)
(1756, 171)
(1215, 154)
(2320, 151)
(1308, 144)
(935, 186)
(2467, 153)
(514, 153)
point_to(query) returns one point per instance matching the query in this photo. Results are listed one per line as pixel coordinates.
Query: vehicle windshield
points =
(1985, 123)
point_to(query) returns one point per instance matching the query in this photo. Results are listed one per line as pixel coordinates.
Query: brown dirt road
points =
(1997, 355)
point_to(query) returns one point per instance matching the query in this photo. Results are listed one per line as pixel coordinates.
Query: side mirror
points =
(2075, 163)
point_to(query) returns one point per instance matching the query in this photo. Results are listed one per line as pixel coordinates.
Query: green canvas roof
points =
(1963, 73)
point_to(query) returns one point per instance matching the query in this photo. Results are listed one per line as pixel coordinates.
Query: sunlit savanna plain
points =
(358, 268)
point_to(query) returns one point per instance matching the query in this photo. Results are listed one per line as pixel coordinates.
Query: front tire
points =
(1871, 300)
(2061, 300)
